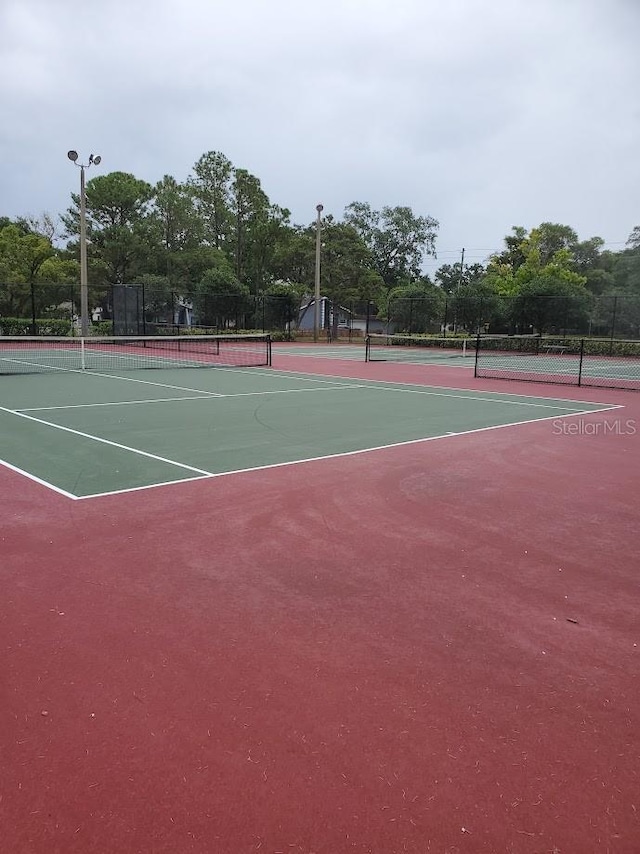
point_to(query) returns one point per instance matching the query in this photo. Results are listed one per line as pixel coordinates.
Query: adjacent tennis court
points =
(532, 358)
(293, 601)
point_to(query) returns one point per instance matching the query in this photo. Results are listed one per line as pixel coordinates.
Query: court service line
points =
(37, 365)
(110, 403)
(91, 373)
(150, 382)
(177, 399)
(357, 452)
(327, 387)
(105, 441)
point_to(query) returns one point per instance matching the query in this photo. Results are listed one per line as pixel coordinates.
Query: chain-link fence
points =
(601, 316)
(136, 309)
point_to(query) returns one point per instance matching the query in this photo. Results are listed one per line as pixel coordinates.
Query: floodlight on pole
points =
(316, 303)
(84, 287)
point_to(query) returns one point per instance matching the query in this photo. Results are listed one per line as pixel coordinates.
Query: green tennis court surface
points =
(90, 434)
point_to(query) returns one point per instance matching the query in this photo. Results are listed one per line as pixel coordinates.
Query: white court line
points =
(110, 403)
(285, 372)
(345, 453)
(482, 399)
(203, 475)
(331, 378)
(118, 377)
(105, 441)
(383, 385)
(174, 399)
(39, 365)
(328, 387)
(413, 388)
(39, 480)
(150, 382)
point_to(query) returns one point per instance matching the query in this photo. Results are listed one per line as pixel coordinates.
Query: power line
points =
(478, 253)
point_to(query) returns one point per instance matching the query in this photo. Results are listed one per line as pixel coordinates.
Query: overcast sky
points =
(481, 113)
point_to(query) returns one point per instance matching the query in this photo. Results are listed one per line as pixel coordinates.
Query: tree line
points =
(217, 240)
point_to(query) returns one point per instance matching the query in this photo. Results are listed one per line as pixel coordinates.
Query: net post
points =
(367, 345)
(580, 363)
(268, 350)
(83, 362)
(475, 362)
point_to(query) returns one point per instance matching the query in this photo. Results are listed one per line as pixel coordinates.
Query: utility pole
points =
(461, 268)
(455, 317)
(316, 306)
(84, 286)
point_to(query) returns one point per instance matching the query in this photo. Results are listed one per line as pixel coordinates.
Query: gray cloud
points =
(484, 115)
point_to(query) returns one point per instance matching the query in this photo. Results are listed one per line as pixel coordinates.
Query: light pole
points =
(84, 288)
(316, 306)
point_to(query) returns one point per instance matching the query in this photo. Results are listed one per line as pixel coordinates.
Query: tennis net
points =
(35, 355)
(412, 348)
(604, 363)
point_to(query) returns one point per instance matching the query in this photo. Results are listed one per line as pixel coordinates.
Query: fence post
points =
(71, 298)
(475, 361)
(580, 364)
(34, 330)
(444, 324)
(613, 324)
(366, 326)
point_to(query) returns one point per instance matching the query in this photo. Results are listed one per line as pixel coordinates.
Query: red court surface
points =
(431, 648)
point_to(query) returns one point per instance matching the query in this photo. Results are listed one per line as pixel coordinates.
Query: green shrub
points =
(44, 326)
(570, 345)
(279, 335)
(102, 327)
(603, 347)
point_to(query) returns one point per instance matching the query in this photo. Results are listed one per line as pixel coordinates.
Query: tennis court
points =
(319, 605)
(88, 433)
